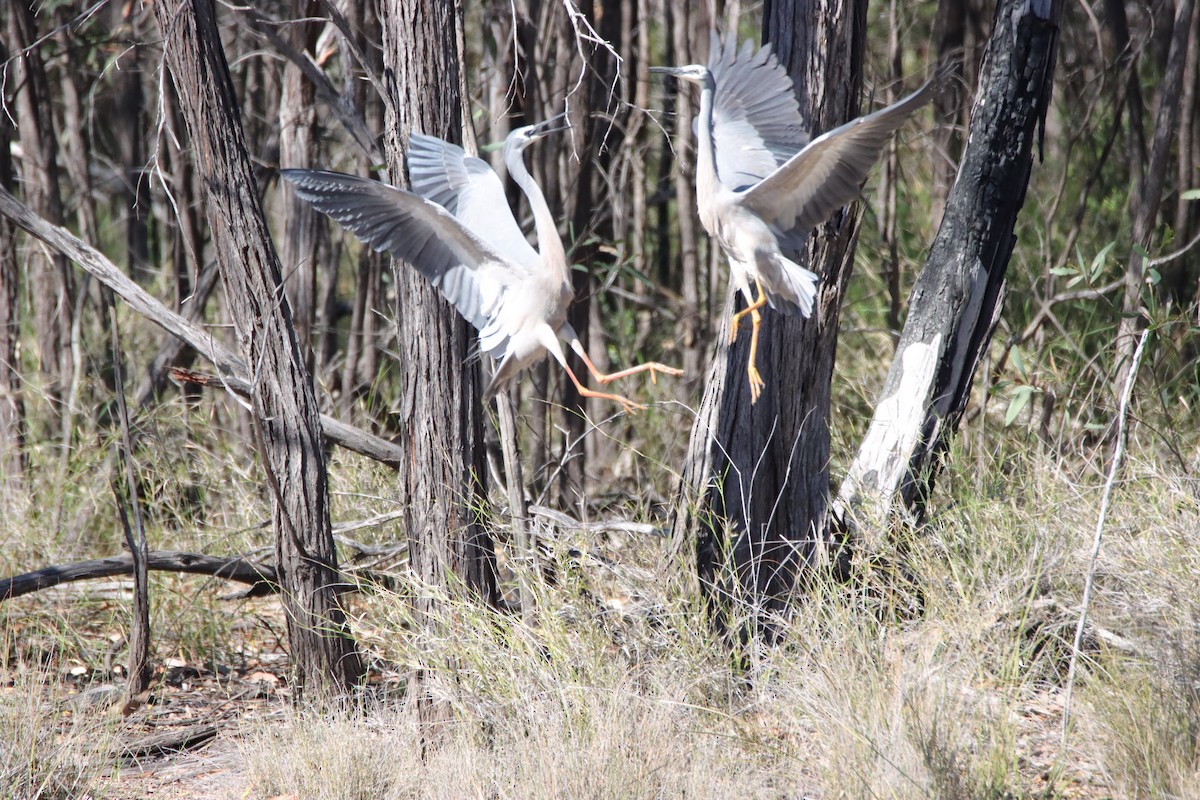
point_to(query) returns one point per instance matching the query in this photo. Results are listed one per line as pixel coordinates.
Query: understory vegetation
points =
(936, 670)
(933, 664)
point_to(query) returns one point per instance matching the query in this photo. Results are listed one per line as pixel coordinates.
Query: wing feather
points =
(756, 118)
(467, 270)
(469, 189)
(829, 172)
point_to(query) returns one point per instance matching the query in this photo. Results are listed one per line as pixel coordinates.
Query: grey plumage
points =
(761, 184)
(457, 230)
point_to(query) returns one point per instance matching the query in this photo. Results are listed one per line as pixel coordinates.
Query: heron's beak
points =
(558, 122)
(674, 71)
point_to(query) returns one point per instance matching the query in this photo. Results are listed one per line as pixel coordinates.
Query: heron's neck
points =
(550, 245)
(706, 151)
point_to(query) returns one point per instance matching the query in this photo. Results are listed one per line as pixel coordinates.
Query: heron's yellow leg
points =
(608, 377)
(751, 309)
(756, 381)
(628, 405)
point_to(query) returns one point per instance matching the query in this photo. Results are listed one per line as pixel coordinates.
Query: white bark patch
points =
(969, 320)
(894, 434)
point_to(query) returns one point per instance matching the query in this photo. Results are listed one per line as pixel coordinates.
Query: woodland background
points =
(937, 668)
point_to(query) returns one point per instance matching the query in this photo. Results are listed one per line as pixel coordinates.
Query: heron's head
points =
(520, 138)
(695, 73)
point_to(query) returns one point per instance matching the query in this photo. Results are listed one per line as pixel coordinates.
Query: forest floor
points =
(938, 670)
(187, 742)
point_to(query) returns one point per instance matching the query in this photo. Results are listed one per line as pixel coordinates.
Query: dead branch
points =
(234, 372)
(260, 577)
(171, 741)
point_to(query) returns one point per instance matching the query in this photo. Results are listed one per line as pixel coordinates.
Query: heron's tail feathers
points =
(506, 372)
(795, 288)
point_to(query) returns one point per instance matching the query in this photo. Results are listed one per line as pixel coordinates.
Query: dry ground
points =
(937, 672)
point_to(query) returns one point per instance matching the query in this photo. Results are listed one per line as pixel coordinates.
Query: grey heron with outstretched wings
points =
(457, 229)
(761, 184)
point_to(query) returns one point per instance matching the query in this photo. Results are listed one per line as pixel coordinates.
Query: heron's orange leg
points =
(756, 381)
(609, 377)
(628, 405)
(752, 310)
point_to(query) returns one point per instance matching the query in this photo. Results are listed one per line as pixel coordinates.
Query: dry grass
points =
(936, 672)
(52, 747)
(866, 698)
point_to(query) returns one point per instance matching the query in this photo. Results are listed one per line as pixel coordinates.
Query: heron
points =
(457, 229)
(761, 184)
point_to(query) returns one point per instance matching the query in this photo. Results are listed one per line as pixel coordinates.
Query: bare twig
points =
(135, 535)
(1106, 498)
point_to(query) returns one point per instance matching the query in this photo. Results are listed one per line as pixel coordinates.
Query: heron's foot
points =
(627, 405)
(656, 368)
(756, 383)
(735, 324)
(653, 367)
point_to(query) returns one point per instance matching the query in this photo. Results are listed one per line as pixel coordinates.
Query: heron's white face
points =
(695, 73)
(531, 133)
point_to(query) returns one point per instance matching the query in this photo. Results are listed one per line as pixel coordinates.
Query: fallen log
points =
(260, 577)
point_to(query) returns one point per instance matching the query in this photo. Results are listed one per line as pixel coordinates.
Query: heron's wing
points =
(829, 172)
(756, 119)
(469, 189)
(466, 269)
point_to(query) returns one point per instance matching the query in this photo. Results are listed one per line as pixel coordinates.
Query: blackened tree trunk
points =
(956, 300)
(441, 410)
(286, 422)
(755, 484)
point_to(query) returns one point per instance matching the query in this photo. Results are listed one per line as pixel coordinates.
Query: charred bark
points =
(956, 300)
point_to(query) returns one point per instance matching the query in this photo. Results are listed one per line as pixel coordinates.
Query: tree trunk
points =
(303, 227)
(51, 290)
(755, 483)
(1149, 194)
(695, 323)
(956, 300)
(12, 405)
(440, 409)
(286, 421)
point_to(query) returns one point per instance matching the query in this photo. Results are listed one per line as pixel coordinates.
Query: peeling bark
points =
(286, 421)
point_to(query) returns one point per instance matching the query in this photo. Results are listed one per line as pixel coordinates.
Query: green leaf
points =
(1101, 257)
(1153, 277)
(1190, 194)
(1020, 399)
(1063, 271)
(1018, 360)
